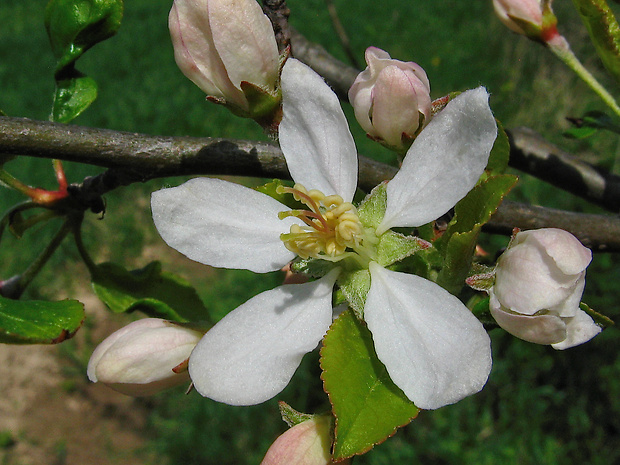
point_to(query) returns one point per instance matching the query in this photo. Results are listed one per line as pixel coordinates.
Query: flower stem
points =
(560, 47)
(14, 183)
(40, 196)
(88, 261)
(35, 267)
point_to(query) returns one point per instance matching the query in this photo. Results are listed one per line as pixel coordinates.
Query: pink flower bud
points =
(307, 443)
(139, 358)
(391, 100)
(532, 18)
(539, 281)
(224, 46)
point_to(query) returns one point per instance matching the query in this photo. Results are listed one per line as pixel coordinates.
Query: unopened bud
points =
(532, 18)
(143, 357)
(539, 281)
(228, 49)
(391, 100)
(306, 443)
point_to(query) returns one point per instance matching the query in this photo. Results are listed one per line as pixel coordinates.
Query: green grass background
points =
(540, 406)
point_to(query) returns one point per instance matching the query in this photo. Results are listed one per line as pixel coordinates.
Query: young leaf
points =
(458, 243)
(72, 97)
(39, 322)
(367, 405)
(150, 290)
(604, 32)
(500, 153)
(74, 26)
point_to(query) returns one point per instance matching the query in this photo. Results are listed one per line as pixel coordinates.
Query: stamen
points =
(331, 225)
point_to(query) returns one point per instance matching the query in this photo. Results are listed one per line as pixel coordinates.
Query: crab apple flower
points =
(434, 349)
(391, 100)
(306, 443)
(228, 49)
(532, 18)
(139, 359)
(539, 281)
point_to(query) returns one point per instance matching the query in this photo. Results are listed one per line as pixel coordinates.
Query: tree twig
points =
(341, 33)
(278, 12)
(134, 158)
(531, 153)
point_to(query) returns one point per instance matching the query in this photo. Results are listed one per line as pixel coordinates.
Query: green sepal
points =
(367, 405)
(372, 209)
(394, 247)
(39, 322)
(152, 291)
(458, 243)
(74, 26)
(355, 286)
(313, 267)
(604, 32)
(72, 96)
(264, 105)
(598, 318)
(271, 189)
(291, 416)
(481, 277)
(500, 153)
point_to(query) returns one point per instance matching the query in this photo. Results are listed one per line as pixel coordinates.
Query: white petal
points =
(245, 41)
(569, 254)
(314, 134)
(432, 346)
(195, 52)
(539, 329)
(252, 353)
(580, 328)
(222, 224)
(444, 162)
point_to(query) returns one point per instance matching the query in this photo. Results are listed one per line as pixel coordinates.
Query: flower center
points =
(331, 225)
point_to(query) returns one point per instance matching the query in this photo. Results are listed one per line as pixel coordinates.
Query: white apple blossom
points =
(539, 281)
(434, 349)
(139, 358)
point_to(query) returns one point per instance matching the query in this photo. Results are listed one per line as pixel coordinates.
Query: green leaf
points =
(604, 32)
(39, 322)
(479, 305)
(500, 153)
(72, 97)
(367, 405)
(150, 290)
(589, 124)
(74, 26)
(458, 243)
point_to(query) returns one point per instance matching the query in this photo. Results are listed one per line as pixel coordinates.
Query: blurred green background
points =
(540, 406)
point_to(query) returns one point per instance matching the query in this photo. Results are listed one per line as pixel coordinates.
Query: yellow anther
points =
(331, 224)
